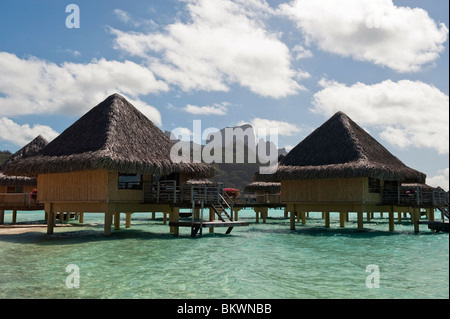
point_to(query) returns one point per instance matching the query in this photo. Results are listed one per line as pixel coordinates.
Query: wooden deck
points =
(196, 226)
(436, 226)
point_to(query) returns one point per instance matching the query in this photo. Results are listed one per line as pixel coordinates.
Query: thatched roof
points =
(340, 148)
(28, 150)
(271, 187)
(200, 182)
(114, 136)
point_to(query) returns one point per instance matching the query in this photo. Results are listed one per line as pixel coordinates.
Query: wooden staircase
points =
(222, 206)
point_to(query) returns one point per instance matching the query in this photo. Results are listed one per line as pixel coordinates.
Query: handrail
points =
(412, 195)
(17, 199)
(230, 203)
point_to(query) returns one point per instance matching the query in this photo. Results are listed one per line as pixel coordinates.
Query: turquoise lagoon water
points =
(260, 261)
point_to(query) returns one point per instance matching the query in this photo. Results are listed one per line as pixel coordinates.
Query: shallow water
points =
(259, 261)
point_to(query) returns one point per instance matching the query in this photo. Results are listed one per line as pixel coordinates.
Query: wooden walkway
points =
(196, 226)
(436, 226)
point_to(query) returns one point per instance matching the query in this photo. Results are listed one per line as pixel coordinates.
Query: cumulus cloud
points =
(215, 109)
(409, 113)
(284, 128)
(34, 86)
(401, 38)
(441, 179)
(223, 43)
(22, 134)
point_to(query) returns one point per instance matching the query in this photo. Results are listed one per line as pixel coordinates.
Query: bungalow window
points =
(130, 181)
(374, 185)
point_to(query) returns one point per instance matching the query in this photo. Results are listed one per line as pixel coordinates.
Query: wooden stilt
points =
(108, 223)
(128, 220)
(327, 219)
(264, 213)
(236, 214)
(14, 216)
(292, 220)
(342, 219)
(257, 216)
(303, 217)
(153, 216)
(50, 218)
(2, 217)
(399, 216)
(176, 218)
(164, 218)
(391, 221)
(416, 219)
(347, 217)
(81, 219)
(116, 221)
(360, 221)
(212, 217)
(368, 216)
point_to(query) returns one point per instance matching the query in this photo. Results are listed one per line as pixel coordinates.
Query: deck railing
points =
(17, 199)
(170, 192)
(414, 196)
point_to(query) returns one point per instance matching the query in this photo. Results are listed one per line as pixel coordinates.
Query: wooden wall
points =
(343, 190)
(73, 186)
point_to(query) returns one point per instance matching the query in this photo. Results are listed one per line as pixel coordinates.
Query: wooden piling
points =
(128, 220)
(116, 221)
(327, 219)
(360, 220)
(342, 217)
(391, 221)
(108, 223)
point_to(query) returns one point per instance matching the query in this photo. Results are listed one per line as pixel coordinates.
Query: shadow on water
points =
(88, 233)
(348, 231)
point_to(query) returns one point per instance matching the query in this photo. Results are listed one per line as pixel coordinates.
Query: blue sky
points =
(287, 64)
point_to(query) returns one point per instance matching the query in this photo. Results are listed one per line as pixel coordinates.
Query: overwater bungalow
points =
(115, 160)
(263, 195)
(18, 193)
(339, 167)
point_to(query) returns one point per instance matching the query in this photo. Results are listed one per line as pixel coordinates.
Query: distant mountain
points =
(4, 155)
(235, 146)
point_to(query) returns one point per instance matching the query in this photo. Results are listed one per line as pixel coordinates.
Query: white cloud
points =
(401, 38)
(126, 18)
(301, 52)
(441, 179)
(215, 109)
(22, 134)
(34, 86)
(224, 42)
(409, 113)
(122, 15)
(284, 128)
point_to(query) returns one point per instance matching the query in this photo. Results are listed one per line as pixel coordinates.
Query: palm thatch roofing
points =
(340, 148)
(28, 150)
(114, 136)
(270, 187)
